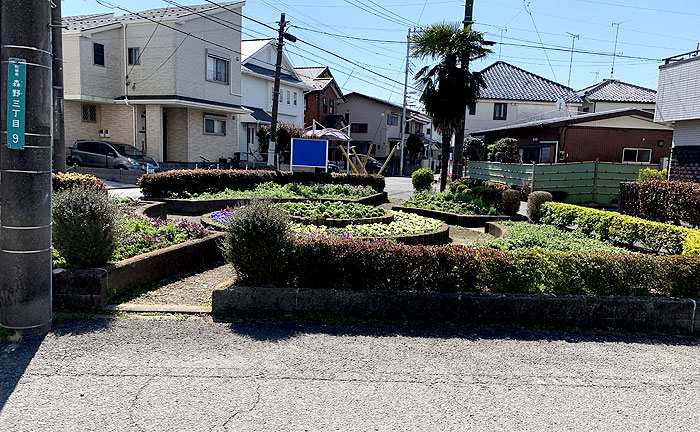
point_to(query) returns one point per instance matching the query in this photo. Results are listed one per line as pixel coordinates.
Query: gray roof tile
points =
(505, 81)
(610, 90)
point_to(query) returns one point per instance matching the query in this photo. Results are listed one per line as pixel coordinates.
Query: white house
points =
(611, 94)
(258, 79)
(177, 96)
(513, 95)
(678, 104)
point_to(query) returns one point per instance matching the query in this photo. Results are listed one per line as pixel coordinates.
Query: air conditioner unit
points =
(102, 133)
(107, 133)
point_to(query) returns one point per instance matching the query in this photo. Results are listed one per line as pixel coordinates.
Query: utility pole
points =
(275, 103)
(25, 163)
(59, 131)
(571, 60)
(458, 156)
(405, 101)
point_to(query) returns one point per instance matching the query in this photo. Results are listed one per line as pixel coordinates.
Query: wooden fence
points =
(577, 182)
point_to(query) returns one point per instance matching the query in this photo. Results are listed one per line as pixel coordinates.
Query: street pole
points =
(59, 131)
(458, 156)
(405, 101)
(275, 103)
(25, 164)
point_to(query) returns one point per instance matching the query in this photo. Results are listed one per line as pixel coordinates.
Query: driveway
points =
(167, 374)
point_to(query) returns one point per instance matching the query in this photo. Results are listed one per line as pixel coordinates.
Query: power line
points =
(606, 3)
(374, 12)
(542, 43)
(138, 60)
(349, 37)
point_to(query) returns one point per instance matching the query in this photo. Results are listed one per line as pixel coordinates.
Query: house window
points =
(500, 111)
(134, 56)
(90, 113)
(98, 54)
(325, 105)
(217, 69)
(358, 128)
(419, 128)
(472, 109)
(392, 120)
(295, 98)
(636, 155)
(214, 125)
(332, 106)
(289, 97)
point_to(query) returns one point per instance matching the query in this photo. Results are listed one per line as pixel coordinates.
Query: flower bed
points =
(273, 190)
(522, 235)
(331, 210)
(460, 203)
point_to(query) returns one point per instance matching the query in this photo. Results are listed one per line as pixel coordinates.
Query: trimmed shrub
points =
(422, 179)
(534, 202)
(670, 201)
(652, 174)
(506, 150)
(511, 202)
(257, 243)
(169, 183)
(622, 228)
(360, 265)
(63, 181)
(628, 198)
(85, 226)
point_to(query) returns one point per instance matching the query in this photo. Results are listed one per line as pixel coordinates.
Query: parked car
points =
(106, 154)
(332, 167)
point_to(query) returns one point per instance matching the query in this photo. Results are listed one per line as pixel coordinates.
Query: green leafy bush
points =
(85, 226)
(322, 262)
(462, 203)
(670, 201)
(402, 225)
(652, 174)
(273, 190)
(474, 149)
(422, 179)
(510, 202)
(63, 181)
(534, 202)
(256, 243)
(331, 209)
(506, 150)
(179, 182)
(622, 228)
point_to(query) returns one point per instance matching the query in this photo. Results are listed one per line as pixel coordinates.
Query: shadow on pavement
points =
(14, 359)
(281, 328)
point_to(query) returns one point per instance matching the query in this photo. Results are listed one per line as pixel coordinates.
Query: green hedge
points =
(360, 265)
(198, 181)
(670, 201)
(623, 228)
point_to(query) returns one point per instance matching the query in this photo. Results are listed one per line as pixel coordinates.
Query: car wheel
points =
(122, 167)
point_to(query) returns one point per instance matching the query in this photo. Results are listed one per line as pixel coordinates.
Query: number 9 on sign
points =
(15, 138)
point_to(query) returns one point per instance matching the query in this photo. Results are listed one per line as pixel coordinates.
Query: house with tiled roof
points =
(131, 80)
(322, 98)
(611, 94)
(513, 95)
(258, 57)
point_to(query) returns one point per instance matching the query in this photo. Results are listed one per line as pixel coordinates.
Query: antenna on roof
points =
(617, 32)
(571, 61)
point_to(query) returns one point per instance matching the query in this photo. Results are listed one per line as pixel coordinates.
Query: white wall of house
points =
(517, 112)
(601, 106)
(686, 133)
(678, 91)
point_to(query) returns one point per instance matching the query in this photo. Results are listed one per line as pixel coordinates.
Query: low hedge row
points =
(166, 184)
(63, 181)
(626, 229)
(667, 201)
(360, 265)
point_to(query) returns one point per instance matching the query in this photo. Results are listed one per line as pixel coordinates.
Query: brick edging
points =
(388, 217)
(467, 221)
(659, 314)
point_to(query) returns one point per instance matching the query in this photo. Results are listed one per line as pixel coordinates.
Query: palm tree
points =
(448, 87)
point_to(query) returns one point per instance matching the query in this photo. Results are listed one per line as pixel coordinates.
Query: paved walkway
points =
(174, 375)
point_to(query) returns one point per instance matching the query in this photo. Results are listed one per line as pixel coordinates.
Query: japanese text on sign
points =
(16, 105)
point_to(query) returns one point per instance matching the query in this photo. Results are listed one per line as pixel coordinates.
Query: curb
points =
(179, 309)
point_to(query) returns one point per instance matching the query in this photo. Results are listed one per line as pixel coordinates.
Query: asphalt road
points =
(99, 375)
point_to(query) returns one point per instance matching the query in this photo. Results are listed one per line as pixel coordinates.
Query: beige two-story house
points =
(167, 81)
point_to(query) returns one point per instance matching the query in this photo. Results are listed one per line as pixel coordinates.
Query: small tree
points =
(263, 135)
(285, 132)
(506, 150)
(414, 145)
(475, 149)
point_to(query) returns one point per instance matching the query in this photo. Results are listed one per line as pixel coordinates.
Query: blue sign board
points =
(16, 102)
(309, 153)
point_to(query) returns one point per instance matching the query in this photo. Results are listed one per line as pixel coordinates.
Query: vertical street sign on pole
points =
(25, 164)
(16, 102)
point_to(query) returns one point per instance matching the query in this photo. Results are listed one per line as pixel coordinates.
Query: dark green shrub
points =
(534, 201)
(414, 145)
(652, 174)
(422, 179)
(169, 183)
(85, 226)
(63, 181)
(474, 149)
(257, 243)
(670, 201)
(511, 202)
(506, 150)
(487, 194)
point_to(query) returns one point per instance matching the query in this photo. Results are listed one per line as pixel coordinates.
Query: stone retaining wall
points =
(468, 221)
(658, 314)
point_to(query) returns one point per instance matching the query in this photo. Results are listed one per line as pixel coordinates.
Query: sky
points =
(535, 35)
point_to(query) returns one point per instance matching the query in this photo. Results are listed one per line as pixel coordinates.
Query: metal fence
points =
(575, 182)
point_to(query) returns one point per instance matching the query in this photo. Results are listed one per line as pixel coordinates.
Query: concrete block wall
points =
(211, 147)
(177, 136)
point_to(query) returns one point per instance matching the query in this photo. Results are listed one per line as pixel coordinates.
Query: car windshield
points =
(127, 150)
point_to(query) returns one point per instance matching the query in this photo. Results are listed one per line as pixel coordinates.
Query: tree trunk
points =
(445, 160)
(458, 157)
